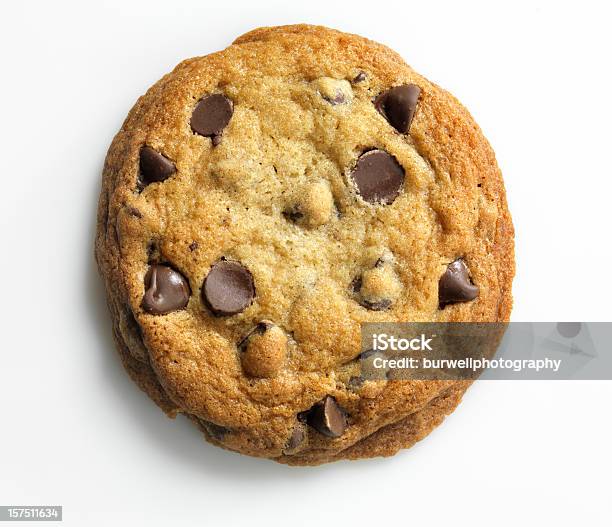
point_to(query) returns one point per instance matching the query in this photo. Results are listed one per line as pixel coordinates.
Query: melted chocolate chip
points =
(166, 290)
(327, 417)
(228, 289)
(398, 105)
(211, 115)
(154, 167)
(455, 285)
(378, 177)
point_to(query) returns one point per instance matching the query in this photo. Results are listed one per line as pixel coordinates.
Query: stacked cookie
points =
(259, 204)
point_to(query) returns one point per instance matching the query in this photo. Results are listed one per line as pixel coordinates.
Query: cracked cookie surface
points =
(260, 203)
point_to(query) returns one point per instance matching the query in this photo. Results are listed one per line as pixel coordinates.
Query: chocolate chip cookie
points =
(260, 203)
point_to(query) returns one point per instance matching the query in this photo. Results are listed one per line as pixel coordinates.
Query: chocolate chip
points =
(228, 289)
(211, 115)
(154, 167)
(193, 246)
(455, 285)
(298, 436)
(360, 77)
(398, 105)
(378, 177)
(327, 417)
(166, 290)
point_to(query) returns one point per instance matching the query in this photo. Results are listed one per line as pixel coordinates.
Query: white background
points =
(74, 429)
